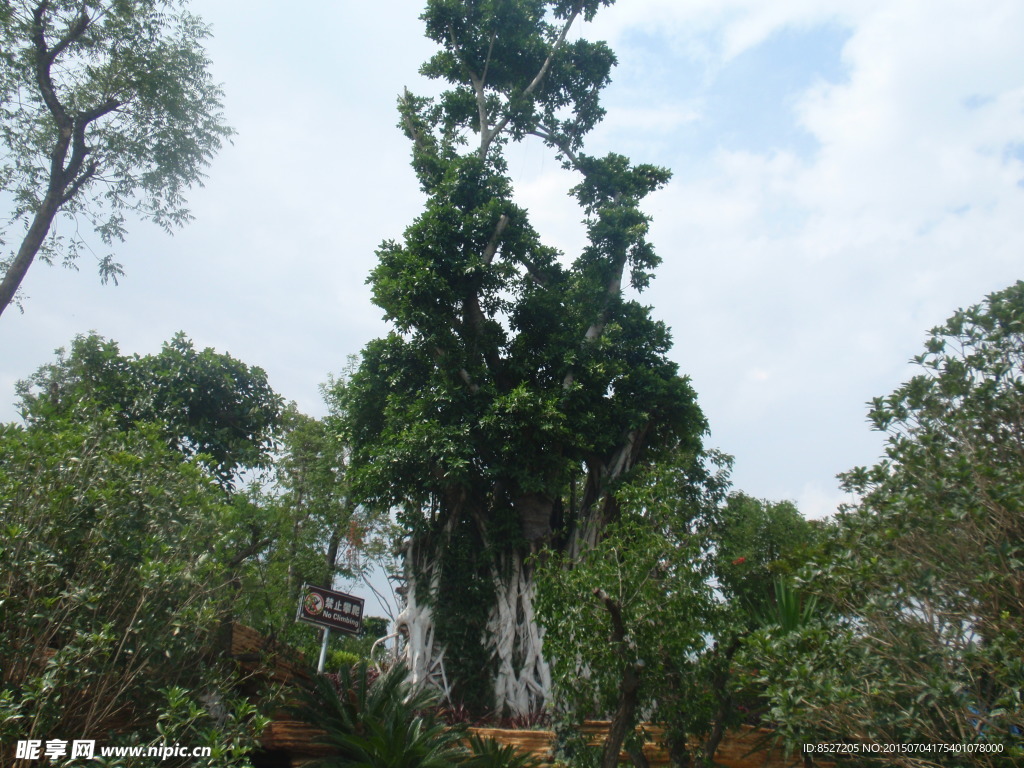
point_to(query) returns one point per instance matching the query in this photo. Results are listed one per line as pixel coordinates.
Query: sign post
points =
(330, 610)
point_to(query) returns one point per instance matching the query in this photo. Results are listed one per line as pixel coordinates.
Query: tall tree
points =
(106, 108)
(516, 389)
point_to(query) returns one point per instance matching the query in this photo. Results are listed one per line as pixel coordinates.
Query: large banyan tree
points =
(517, 386)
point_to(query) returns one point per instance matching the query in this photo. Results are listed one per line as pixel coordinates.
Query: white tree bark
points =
(522, 680)
(415, 626)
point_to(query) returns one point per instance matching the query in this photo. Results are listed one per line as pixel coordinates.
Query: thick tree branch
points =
(473, 315)
(80, 181)
(84, 119)
(418, 140)
(479, 83)
(537, 80)
(533, 272)
(612, 289)
(44, 60)
(75, 30)
(495, 241)
(440, 357)
(255, 546)
(549, 136)
(628, 689)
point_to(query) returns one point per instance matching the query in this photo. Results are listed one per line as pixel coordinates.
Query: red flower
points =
(739, 560)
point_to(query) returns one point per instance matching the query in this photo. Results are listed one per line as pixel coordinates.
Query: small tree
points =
(653, 619)
(106, 108)
(207, 404)
(758, 540)
(112, 580)
(928, 581)
(629, 622)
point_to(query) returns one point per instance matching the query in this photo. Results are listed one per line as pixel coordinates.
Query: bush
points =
(926, 644)
(109, 592)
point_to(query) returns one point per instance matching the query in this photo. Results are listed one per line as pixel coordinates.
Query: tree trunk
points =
(415, 625)
(623, 717)
(720, 690)
(30, 246)
(629, 688)
(521, 677)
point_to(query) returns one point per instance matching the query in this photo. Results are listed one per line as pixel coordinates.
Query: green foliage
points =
(692, 572)
(655, 565)
(345, 650)
(757, 544)
(380, 721)
(488, 753)
(229, 726)
(792, 609)
(110, 590)
(106, 109)
(337, 659)
(207, 404)
(377, 721)
(928, 638)
(510, 372)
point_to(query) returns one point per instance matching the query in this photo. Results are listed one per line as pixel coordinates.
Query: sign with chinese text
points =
(327, 608)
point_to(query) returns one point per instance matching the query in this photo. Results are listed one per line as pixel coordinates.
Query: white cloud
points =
(816, 503)
(797, 284)
(827, 270)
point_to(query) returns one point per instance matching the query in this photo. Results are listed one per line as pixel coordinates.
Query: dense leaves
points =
(627, 622)
(207, 404)
(491, 382)
(759, 544)
(111, 582)
(650, 622)
(375, 719)
(928, 643)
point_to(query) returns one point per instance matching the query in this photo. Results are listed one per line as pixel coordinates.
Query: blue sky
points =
(847, 174)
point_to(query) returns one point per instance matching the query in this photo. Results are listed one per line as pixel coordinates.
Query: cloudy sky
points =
(847, 174)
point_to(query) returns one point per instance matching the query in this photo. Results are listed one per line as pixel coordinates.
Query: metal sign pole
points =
(330, 610)
(323, 651)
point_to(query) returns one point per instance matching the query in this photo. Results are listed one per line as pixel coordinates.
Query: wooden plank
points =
(256, 653)
(741, 748)
(298, 738)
